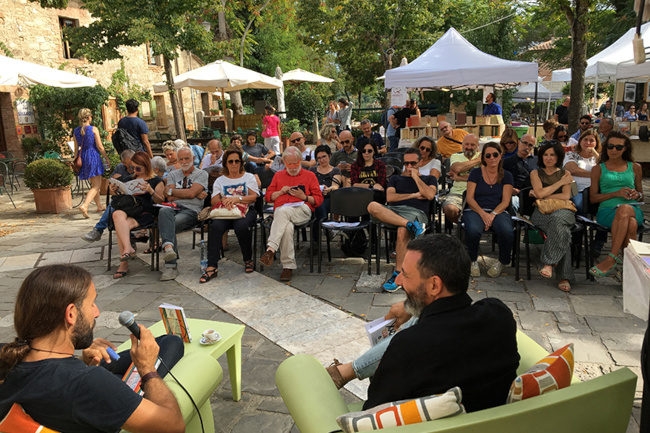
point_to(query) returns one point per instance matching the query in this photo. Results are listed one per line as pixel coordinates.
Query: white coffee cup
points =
(211, 335)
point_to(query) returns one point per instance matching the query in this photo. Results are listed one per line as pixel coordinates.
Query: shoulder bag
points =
(129, 204)
(549, 205)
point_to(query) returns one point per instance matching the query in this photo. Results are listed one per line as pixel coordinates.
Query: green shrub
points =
(48, 173)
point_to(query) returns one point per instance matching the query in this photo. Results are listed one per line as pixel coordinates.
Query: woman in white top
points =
(239, 188)
(580, 162)
(429, 165)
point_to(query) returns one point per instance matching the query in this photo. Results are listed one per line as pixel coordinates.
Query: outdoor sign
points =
(25, 112)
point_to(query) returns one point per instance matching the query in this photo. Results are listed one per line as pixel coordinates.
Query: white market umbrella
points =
(14, 72)
(300, 75)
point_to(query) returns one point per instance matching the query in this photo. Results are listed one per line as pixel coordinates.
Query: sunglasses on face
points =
(234, 161)
(425, 149)
(407, 163)
(344, 141)
(585, 123)
(510, 142)
(367, 151)
(561, 137)
(138, 169)
(296, 140)
(492, 155)
(616, 146)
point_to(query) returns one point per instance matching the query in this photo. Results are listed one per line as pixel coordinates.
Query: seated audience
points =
(451, 139)
(55, 315)
(368, 172)
(584, 125)
(616, 184)
(186, 188)
(425, 358)
(460, 165)
(520, 165)
(643, 112)
(344, 158)
(408, 196)
(368, 136)
(329, 137)
(258, 154)
(509, 142)
(152, 192)
(212, 157)
(549, 130)
(551, 181)
(298, 140)
(579, 163)
(159, 166)
(561, 135)
(236, 188)
(429, 164)
(170, 149)
(489, 190)
(329, 179)
(295, 194)
(631, 114)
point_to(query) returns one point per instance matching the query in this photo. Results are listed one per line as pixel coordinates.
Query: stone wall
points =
(32, 33)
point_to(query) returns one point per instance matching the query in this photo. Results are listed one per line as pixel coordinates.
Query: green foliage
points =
(122, 89)
(57, 108)
(290, 126)
(48, 173)
(302, 103)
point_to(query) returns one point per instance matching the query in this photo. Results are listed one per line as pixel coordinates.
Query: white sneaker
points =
(170, 254)
(495, 269)
(476, 270)
(169, 274)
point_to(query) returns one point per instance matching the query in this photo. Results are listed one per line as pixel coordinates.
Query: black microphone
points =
(128, 319)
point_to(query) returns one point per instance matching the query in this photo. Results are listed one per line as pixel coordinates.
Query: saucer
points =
(205, 342)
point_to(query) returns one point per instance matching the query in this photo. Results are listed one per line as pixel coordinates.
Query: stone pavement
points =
(321, 314)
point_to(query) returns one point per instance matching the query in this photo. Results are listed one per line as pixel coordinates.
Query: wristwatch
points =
(170, 191)
(240, 199)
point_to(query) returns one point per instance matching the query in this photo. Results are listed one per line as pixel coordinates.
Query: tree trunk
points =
(222, 32)
(179, 119)
(579, 26)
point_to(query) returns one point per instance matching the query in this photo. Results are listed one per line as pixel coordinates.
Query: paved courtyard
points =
(321, 314)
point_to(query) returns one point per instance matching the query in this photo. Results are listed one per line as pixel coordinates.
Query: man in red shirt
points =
(295, 194)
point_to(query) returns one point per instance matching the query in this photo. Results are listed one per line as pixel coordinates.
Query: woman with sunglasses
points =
(489, 190)
(329, 137)
(581, 161)
(551, 181)
(509, 142)
(562, 136)
(329, 178)
(429, 165)
(152, 188)
(368, 172)
(239, 188)
(616, 186)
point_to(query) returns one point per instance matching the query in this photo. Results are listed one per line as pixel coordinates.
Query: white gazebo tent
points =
(601, 67)
(452, 62)
(14, 72)
(535, 92)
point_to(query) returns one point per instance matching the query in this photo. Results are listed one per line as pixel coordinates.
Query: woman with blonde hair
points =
(89, 143)
(429, 165)
(509, 142)
(329, 137)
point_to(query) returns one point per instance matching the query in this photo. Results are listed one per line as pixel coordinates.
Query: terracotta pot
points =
(52, 200)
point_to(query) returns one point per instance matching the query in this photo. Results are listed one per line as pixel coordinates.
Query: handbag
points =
(221, 212)
(128, 204)
(77, 163)
(549, 205)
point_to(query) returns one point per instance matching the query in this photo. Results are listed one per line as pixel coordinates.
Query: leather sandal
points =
(249, 266)
(128, 256)
(335, 374)
(119, 274)
(565, 286)
(208, 275)
(600, 274)
(617, 259)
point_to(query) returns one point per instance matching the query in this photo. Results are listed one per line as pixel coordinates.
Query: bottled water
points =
(204, 255)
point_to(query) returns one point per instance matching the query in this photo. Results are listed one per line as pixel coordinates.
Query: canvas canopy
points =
(300, 75)
(14, 72)
(630, 71)
(453, 62)
(223, 76)
(602, 66)
(527, 91)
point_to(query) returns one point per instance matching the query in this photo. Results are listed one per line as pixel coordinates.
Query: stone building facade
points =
(34, 34)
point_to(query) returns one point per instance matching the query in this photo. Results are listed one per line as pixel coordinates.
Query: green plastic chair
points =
(50, 154)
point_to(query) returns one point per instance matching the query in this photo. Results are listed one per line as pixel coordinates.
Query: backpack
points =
(355, 244)
(122, 140)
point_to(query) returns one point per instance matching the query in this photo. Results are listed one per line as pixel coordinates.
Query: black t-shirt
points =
(68, 396)
(406, 185)
(402, 115)
(562, 114)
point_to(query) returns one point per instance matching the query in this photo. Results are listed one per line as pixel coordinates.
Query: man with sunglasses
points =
(344, 158)
(584, 125)
(295, 194)
(520, 165)
(451, 140)
(368, 136)
(460, 165)
(308, 159)
(409, 196)
(186, 189)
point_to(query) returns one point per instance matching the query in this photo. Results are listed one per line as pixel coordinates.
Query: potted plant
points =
(50, 181)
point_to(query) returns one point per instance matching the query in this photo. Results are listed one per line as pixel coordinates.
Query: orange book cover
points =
(175, 322)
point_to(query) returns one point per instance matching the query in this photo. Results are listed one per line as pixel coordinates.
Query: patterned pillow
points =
(403, 412)
(551, 373)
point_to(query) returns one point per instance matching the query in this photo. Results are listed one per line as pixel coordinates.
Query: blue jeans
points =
(102, 224)
(393, 141)
(501, 226)
(578, 201)
(171, 222)
(365, 365)
(323, 210)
